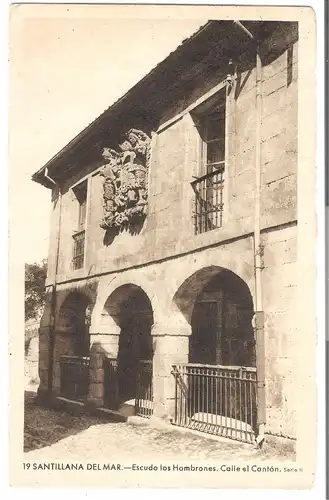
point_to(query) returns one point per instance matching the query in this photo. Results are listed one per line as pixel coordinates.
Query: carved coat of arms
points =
(125, 180)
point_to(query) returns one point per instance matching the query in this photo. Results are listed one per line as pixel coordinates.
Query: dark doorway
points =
(74, 346)
(206, 323)
(125, 378)
(222, 330)
(135, 343)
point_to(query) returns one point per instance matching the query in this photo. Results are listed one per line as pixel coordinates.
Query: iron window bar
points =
(78, 249)
(208, 189)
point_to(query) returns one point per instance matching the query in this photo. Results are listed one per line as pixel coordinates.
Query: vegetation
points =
(35, 277)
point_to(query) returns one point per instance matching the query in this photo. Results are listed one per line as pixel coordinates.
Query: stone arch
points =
(126, 322)
(86, 292)
(204, 265)
(108, 289)
(121, 294)
(73, 321)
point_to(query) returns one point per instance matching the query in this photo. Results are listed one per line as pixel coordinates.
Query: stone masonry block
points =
(43, 355)
(170, 407)
(56, 378)
(278, 99)
(279, 276)
(43, 364)
(43, 377)
(279, 201)
(281, 397)
(276, 123)
(277, 297)
(246, 80)
(96, 360)
(96, 375)
(273, 146)
(163, 389)
(242, 205)
(280, 235)
(161, 367)
(243, 161)
(96, 391)
(243, 183)
(283, 345)
(285, 164)
(282, 252)
(278, 66)
(280, 334)
(171, 345)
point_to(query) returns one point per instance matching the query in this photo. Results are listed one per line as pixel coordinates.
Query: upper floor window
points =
(79, 236)
(209, 185)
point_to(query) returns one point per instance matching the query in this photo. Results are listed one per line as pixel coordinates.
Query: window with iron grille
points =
(79, 236)
(209, 186)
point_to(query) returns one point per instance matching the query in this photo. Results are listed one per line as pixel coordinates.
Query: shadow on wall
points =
(241, 82)
(134, 227)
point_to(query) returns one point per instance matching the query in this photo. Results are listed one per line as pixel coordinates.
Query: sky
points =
(65, 71)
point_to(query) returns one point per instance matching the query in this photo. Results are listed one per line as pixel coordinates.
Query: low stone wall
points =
(31, 361)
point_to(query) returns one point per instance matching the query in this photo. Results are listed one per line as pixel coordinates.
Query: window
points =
(79, 236)
(208, 187)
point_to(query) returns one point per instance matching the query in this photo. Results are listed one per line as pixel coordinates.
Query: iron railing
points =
(78, 250)
(216, 399)
(111, 383)
(208, 206)
(74, 377)
(144, 389)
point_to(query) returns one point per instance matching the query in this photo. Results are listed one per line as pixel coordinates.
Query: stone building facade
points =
(174, 229)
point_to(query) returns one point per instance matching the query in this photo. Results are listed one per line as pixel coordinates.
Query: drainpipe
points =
(53, 294)
(258, 250)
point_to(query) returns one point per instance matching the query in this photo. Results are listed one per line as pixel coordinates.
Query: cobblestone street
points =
(55, 435)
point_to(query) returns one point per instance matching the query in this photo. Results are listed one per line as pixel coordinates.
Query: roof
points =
(206, 37)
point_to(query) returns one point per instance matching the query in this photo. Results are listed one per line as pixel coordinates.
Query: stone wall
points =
(281, 326)
(174, 163)
(31, 351)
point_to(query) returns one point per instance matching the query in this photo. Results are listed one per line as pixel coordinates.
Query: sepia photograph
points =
(165, 242)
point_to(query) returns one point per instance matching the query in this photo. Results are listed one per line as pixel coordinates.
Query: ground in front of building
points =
(57, 435)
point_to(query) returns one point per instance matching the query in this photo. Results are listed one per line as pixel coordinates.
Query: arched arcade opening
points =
(216, 389)
(221, 322)
(72, 345)
(128, 376)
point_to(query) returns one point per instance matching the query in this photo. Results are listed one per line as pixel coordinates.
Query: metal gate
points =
(74, 377)
(144, 389)
(217, 400)
(111, 386)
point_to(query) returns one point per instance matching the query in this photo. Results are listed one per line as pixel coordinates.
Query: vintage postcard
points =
(162, 190)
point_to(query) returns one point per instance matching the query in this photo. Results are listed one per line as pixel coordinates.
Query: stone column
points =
(62, 346)
(43, 360)
(44, 346)
(171, 346)
(103, 344)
